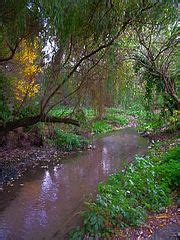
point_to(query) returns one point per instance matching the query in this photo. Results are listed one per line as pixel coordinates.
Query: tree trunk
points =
(25, 122)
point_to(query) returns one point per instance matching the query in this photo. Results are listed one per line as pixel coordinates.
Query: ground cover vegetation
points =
(127, 197)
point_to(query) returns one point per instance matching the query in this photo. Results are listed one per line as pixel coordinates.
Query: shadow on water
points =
(47, 206)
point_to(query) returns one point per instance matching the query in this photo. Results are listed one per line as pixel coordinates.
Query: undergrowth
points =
(101, 127)
(68, 141)
(127, 197)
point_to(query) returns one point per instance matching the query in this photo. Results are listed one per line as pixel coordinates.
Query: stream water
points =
(47, 206)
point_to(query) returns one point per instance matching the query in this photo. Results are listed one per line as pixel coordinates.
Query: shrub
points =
(172, 154)
(113, 110)
(68, 141)
(169, 168)
(89, 113)
(170, 173)
(151, 124)
(101, 127)
(60, 111)
(173, 121)
(136, 110)
(119, 119)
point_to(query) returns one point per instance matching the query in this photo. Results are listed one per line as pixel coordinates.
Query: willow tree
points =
(156, 57)
(78, 35)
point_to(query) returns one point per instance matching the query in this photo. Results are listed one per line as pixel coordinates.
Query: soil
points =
(163, 135)
(15, 162)
(163, 226)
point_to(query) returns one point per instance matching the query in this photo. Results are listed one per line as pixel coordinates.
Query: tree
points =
(18, 21)
(78, 34)
(157, 57)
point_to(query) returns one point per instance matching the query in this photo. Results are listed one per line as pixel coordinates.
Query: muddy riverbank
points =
(15, 162)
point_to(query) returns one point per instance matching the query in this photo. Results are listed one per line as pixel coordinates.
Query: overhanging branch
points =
(24, 122)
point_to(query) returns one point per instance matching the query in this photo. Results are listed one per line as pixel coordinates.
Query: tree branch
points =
(24, 122)
(13, 51)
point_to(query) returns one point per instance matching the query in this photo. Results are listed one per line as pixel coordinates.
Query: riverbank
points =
(162, 226)
(131, 202)
(16, 161)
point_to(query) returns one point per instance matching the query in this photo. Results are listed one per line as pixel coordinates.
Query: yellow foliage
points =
(28, 70)
(25, 88)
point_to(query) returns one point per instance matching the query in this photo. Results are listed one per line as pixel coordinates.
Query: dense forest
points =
(72, 71)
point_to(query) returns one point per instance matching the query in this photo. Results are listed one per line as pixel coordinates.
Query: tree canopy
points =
(54, 52)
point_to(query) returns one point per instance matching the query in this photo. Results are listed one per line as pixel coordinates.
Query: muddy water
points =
(46, 207)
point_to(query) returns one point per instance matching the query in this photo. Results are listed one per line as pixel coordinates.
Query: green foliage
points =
(170, 173)
(75, 18)
(111, 117)
(17, 22)
(113, 110)
(77, 35)
(5, 113)
(155, 121)
(76, 234)
(116, 118)
(172, 154)
(136, 109)
(160, 88)
(86, 118)
(61, 111)
(101, 127)
(173, 121)
(67, 141)
(169, 169)
(150, 125)
(89, 113)
(126, 198)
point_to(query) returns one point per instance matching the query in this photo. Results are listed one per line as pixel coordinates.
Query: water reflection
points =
(105, 161)
(46, 206)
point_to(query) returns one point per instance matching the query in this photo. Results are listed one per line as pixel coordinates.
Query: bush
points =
(119, 119)
(90, 114)
(172, 154)
(101, 127)
(136, 110)
(68, 141)
(170, 173)
(61, 111)
(169, 168)
(173, 121)
(151, 123)
(113, 110)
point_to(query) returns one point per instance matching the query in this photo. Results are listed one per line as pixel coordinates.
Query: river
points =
(48, 203)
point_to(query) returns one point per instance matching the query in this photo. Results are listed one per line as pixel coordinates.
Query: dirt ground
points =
(163, 226)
